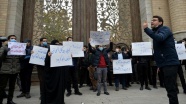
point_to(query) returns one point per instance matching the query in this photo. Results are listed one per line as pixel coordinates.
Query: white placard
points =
(76, 48)
(122, 66)
(181, 51)
(39, 55)
(61, 56)
(142, 49)
(16, 48)
(99, 37)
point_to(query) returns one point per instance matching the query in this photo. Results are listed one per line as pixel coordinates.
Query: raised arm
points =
(111, 47)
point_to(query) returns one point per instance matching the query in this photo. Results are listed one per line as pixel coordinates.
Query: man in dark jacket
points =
(165, 54)
(119, 55)
(41, 69)
(26, 71)
(9, 70)
(101, 61)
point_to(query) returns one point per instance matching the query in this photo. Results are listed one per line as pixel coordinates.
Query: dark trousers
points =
(72, 76)
(170, 75)
(134, 76)
(4, 79)
(109, 77)
(120, 78)
(25, 76)
(41, 73)
(84, 76)
(182, 79)
(143, 73)
(154, 74)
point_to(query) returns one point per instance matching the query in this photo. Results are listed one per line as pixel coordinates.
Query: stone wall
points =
(14, 18)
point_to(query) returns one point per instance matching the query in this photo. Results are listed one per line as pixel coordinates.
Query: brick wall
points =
(3, 16)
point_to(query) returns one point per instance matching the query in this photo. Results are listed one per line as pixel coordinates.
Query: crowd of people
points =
(94, 69)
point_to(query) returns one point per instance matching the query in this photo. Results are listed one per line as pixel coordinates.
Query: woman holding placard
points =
(54, 81)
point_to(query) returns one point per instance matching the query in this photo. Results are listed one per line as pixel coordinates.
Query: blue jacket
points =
(164, 46)
(97, 54)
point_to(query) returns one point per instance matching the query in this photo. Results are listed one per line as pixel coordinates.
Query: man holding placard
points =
(119, 55)
(10, 67)
(101, 61)
(165, 54)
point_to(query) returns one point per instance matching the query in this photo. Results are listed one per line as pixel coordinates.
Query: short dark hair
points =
(11, 36)
(41, 39)
(85, 46)
(184, 39)
(118, 47)
(69, 38)
(160, 19)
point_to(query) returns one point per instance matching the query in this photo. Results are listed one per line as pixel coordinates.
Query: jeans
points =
(102, 75)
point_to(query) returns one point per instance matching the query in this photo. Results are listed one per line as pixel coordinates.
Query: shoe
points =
(94, 90)
(27, 96)
(78, 93)
(124, 88)
(184, 91)
(141, 88)
(5, 95)
(148, 88)
(68, 94)
(10, 102)
(21, 95)
(155, 87)
(132, 82)
(117, 88)
(98, 94)
(111, 85)
(137, 82)
(106, 93)
(91, 88)
(162, 86)
(80, 86)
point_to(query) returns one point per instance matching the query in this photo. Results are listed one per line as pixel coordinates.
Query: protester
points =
(54, 81)
(10, 67)
(26, 71)
(119, 55)
(101, 61)
(72, 76)
(165, 54)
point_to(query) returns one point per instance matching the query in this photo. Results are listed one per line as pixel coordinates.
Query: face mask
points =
(12, 40)
(44, 43)
(100, 48)
(84, 49)
(117, 50)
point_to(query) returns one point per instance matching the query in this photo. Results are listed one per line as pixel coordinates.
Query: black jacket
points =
(164, 46)
(115, 56)
(97, 54)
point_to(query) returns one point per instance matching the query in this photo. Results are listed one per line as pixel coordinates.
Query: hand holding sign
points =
(99, 38)
(16, 48)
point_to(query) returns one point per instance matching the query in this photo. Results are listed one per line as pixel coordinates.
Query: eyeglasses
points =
(154, 20)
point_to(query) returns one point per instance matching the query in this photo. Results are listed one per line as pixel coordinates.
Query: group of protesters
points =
(94, 69)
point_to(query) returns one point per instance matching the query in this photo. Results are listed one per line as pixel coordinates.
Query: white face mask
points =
(117, 50)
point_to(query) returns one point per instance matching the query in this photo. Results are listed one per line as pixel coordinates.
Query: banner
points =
(39, 55)
(122, 66)
(142, 49)
(16, 48)
(61, 56)
(181, 51)
(99, 37)
(76, 48)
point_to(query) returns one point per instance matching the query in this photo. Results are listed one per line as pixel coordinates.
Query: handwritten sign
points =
(75, 48)
(61, 56)
(142, 49)
(16, 48)
(99, 37)
(122, 66)
(39, 55)
(181, 51)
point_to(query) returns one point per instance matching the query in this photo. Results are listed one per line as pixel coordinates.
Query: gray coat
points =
(8, 64)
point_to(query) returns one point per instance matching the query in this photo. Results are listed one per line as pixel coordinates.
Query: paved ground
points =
(131, 96)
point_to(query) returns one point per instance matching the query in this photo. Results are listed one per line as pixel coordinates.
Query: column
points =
(28, 19)
(84, 19)
(178, 16)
